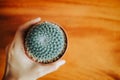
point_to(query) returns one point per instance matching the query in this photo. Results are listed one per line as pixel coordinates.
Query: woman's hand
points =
(18, 65)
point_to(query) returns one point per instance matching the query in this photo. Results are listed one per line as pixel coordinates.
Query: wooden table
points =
(93, 30)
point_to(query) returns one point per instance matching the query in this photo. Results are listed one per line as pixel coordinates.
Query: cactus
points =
(45, 42)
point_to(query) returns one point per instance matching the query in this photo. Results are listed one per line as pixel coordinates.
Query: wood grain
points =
(93, 30)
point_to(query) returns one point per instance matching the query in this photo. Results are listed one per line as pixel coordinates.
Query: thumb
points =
(56, 65)
(48, 68)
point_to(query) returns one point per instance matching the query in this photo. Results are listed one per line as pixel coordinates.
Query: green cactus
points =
(45, 42)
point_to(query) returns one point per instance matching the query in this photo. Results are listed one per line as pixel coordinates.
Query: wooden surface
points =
(92, 26)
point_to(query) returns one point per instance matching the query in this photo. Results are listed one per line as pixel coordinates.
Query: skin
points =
(18, 65)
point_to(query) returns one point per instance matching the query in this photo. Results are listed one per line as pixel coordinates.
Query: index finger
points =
(28, 24)
(20, 34)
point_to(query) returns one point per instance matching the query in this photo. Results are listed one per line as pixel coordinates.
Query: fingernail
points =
(37, 19)
(61, 62)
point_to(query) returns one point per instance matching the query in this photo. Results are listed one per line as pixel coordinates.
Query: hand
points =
(18, 65)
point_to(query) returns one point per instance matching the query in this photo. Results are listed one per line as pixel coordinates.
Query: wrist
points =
(8, 75)
(11, 74)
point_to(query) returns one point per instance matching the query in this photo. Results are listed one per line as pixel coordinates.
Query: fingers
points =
(18, 41)
(23, 28)
(26, 26)
(29, 23)
(19, 36)
(48, 68)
